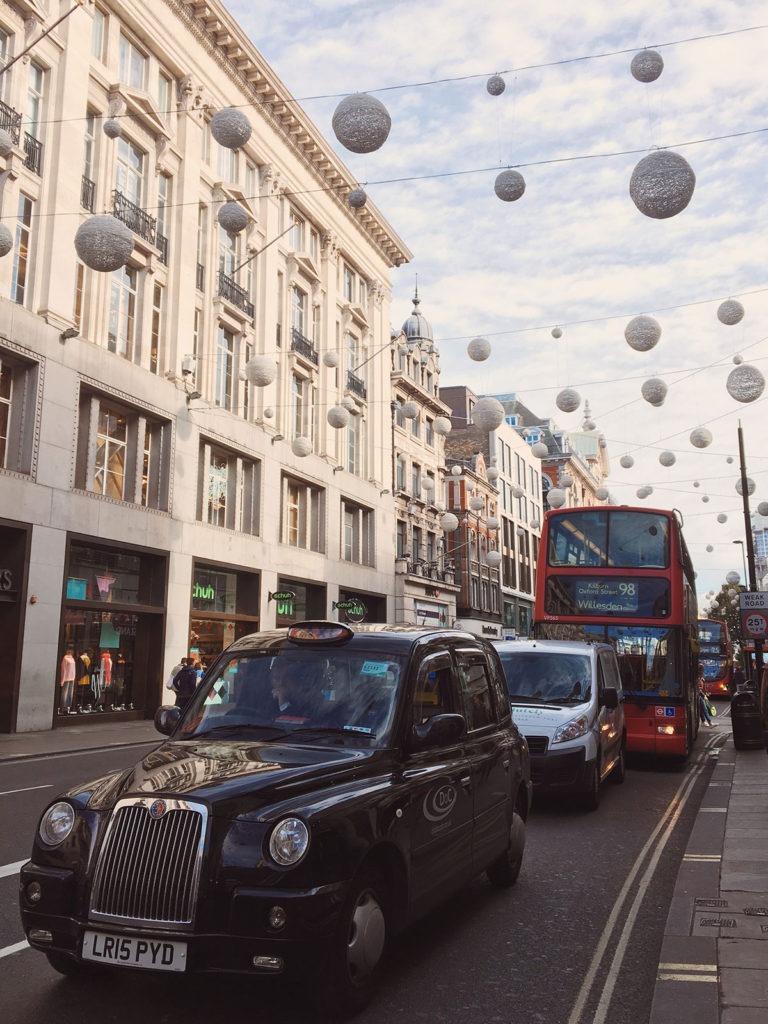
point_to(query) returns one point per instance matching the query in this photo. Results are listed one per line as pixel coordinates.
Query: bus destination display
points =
(615, 595)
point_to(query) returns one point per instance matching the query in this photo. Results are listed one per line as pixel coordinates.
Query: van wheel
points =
(590, 799)
(504, 871)
(618, 772)
(347, 977)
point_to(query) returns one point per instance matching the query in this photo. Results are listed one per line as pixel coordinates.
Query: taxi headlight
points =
(289, 842)
(57, 823)
(571, 730)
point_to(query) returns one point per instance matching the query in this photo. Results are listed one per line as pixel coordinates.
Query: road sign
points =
(753, 607)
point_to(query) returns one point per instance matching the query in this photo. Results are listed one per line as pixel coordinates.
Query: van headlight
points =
(288, 842)
(571, 730)
(56, 824)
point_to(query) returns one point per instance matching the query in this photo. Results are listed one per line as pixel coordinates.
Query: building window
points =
(133, 64)
(279, 320)
(415, 427)
(296, 234)
(303, 514)
(354, 445)
(122, 336)
(399, 414)
(21, 265)
(230, 489)
(348, 284)
(401, 473)
(197, 342)
(5, 56)
(79, 295)
(89, 145)
(247, 386)
(357, 533)
(156, 360)
(98, 34)
(122, 452)
(227, 252)
(205, 143)
(317, 312)
(225, 360)
(18, 404)
(227, 164)
(251, 181)
(164, 94)
(301, 406)
(163, 203)
(416, 538)
(202, 246)
(429, 432)
(416, 480)
(401, 538)
(299, 311)
(35, 100)
(314, 244)
(129, 171)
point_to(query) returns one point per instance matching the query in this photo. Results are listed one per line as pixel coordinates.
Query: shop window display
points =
(96, 671)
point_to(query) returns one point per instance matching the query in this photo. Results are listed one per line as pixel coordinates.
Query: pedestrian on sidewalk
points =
(704, 714)
(185, 683)
(174, 672)
(738, 679)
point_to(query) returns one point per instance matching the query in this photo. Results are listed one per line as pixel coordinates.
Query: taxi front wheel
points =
(504, 871)
(348, 974)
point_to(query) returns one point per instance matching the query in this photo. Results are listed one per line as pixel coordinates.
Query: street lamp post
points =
(743, 559)
(750, 561)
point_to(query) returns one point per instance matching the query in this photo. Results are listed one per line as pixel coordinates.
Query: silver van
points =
(567, 701)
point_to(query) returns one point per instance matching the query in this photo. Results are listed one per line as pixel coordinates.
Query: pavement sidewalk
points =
(713, 967)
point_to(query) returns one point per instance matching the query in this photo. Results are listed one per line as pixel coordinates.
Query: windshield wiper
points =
(235, 727)
(333, 730)
(522, 698)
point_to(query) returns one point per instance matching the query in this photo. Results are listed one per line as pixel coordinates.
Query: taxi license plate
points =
(131, 951)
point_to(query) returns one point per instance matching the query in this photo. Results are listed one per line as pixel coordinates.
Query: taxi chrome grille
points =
(149, 867)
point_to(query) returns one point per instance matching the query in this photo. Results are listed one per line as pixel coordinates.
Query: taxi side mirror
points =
(610, 698)
(166, 719)
(438, 731)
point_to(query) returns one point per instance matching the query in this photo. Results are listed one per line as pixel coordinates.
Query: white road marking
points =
(11, 869)
(15, 948)
(666, 823)
(28, 789)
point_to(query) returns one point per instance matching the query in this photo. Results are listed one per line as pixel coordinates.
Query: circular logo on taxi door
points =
(439, 802)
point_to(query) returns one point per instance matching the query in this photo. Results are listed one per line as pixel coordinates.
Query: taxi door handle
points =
(505, 764)
(466, 781)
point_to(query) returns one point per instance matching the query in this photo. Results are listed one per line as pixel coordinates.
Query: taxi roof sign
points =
(314, 631)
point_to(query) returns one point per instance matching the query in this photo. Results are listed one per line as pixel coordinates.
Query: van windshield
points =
(547, 678)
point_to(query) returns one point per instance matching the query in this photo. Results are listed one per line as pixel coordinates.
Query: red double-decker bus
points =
(716, 655)
(624, 575)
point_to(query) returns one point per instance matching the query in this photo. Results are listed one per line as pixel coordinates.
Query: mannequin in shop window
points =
(66, 682)
(104, 680)
(82, 680)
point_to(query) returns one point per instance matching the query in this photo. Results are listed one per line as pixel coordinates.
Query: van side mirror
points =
(438, 731)
(166, 719)
(610, 698)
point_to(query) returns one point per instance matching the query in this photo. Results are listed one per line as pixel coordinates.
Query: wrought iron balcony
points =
(10, 120)
(87, 193)
(34, 153)
(200, 277)
(232, 292)
(356, 386)
(134, 217)
(303, 346)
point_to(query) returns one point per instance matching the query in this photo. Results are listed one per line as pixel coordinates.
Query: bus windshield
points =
(649, 658)
(614, 539)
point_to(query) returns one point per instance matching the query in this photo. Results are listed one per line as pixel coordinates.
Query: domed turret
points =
(417, 329)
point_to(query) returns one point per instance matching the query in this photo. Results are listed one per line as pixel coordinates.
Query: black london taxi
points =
(325, 786)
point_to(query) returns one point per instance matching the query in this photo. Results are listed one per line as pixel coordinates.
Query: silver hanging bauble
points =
(410, 410)
(729, 460)
(357, 198)
(517, 491)
(626, 461)
(710, 549)
(667, 458)
(602, 494)
(642, 333)
(750, 486)
(361, 123)
(331, 358)
(6, 142)
(509, 185)
(696, 483)
(442, 425)
(479, 349)
(555, 497)
(566, 480)
(349, 404)
(722, 518)
(654, 391)
(737, 360)
(495, 85)
(488, 413)
(112, 128)
(662, 184)
(701, 437)
(261, 370)
(730, 312)
(448, 522)
(301, 447)
(337, 416)
(6, 240)
(568, 400)
(428, 483)
(233, 217)
(646, 66)
(493, 558)
(589, 425)
(762, 508)
(269, 413)
(745, 383)
(104, 243)
(642, 492)
(456, 470)
(476, 502)
(705, 498)
(732, 577)
(535, 524)
(230, 128)
(492, 473)
(492, 523)
(556, 333)
(539, 450)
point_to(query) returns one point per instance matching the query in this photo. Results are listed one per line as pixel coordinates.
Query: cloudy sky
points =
(574, 251)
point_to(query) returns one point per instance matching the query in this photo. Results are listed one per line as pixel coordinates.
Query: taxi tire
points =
(347, 976)
(504, 871)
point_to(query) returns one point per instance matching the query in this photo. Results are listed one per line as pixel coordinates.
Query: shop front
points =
(359, 606)
(113, 618)
(297, 600)
(224, 607)
(14, 558)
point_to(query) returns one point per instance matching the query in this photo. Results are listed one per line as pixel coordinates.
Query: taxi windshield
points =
(329, 696)
(550, 678)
